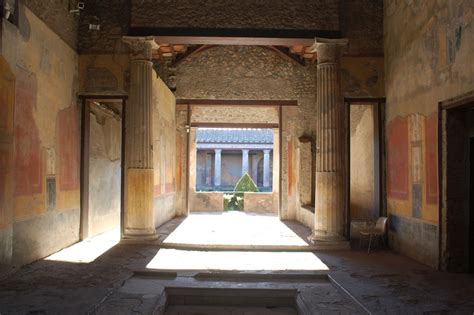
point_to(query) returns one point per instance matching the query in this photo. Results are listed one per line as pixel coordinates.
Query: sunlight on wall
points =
(172, 259)
(88, 250)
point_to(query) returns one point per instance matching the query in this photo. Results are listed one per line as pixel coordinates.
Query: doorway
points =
(457, 169)
(365, 153)
(101, 166)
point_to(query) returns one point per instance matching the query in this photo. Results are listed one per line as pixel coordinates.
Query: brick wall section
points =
(362, 22)
(55, 14)
(259, 14)
(114, 19)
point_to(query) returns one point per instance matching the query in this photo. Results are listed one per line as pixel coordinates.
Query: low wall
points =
(259, 202)
(206, 201)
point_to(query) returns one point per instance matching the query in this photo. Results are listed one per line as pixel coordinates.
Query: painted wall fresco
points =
(28, 167)
(397, 158)
(431, 158)
(164, 152)
(7, 99)
(69, 147)
(427, 61)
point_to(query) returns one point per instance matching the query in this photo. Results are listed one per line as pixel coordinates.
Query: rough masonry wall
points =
(250, 14)
(250, 72)
(55, 14)
(39, 142)
(104, 171)
(164, 152)
(427, 61)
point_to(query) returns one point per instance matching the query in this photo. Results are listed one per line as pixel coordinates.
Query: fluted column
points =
(217, 167)
(139, 218)
(245, 161)
(330, 142)
(266, 168)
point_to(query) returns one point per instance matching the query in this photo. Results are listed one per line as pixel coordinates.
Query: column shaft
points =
(217, 167)
(330, 156)
(266, 168)
(139, 218)
(245, 161)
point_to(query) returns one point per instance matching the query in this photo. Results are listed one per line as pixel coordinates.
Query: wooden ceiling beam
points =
(241, 41)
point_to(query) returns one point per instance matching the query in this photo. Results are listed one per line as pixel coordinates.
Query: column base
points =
(136, 235)
(329, 241)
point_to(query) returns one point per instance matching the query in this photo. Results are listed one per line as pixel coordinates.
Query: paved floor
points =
(77, 282)
(234, 228)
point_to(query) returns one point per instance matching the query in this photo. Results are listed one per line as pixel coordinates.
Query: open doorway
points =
(237, 162)
(457, 187)
(101, 167)
(365, 147)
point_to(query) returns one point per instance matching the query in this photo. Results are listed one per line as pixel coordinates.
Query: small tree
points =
(246, 184)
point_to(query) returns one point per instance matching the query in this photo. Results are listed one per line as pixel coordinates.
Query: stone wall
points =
(39, 142)
(229, 14)
(427, 61)
(55, 14)
(164, 152)
(104, 171)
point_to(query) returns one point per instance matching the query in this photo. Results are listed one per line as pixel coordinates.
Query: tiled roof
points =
(234, 135)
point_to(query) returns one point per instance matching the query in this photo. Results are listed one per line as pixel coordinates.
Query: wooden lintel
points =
(217, 102)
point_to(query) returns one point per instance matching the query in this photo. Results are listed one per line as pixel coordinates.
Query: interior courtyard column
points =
(139, 218)
(245, 161)
(266, 168)
(330, 142)
(255, 168)
(217, 167)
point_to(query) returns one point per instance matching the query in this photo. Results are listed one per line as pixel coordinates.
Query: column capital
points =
(328, 50)
(246, 150)
(217, 150)
(141, 46)
(267, 151)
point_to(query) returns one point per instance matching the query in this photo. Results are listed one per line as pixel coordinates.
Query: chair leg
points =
(370, 242)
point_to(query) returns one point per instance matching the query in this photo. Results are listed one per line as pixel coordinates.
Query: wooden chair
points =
(379, 230)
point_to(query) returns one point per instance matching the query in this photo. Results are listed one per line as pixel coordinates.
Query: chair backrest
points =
(381, 224)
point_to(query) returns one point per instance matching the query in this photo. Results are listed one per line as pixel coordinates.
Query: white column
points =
(245, 161)
(266, 168)
(217, 167)
(139, 217)
(330, 142)
(255, 168)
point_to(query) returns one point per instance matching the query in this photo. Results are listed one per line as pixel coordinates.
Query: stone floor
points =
(100, 276)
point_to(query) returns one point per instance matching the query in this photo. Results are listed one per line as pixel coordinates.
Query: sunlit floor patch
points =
(234, 228)
(172, 259)
(89, 249)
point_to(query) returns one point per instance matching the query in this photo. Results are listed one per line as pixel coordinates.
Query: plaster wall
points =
(362, 178)
(104, 172)
(164, 152)
(427, 61)
(39, 142)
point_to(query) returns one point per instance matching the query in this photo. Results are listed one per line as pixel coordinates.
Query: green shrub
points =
(234, 202)
(246, 184)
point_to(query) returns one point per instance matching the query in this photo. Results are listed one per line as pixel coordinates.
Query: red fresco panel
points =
(28, 171)
(431, 138)
(397, 158)
(69, 148)
(3, 178)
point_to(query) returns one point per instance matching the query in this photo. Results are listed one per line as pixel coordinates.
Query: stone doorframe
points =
(277, 183)
(460, 102)
(85, 101)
